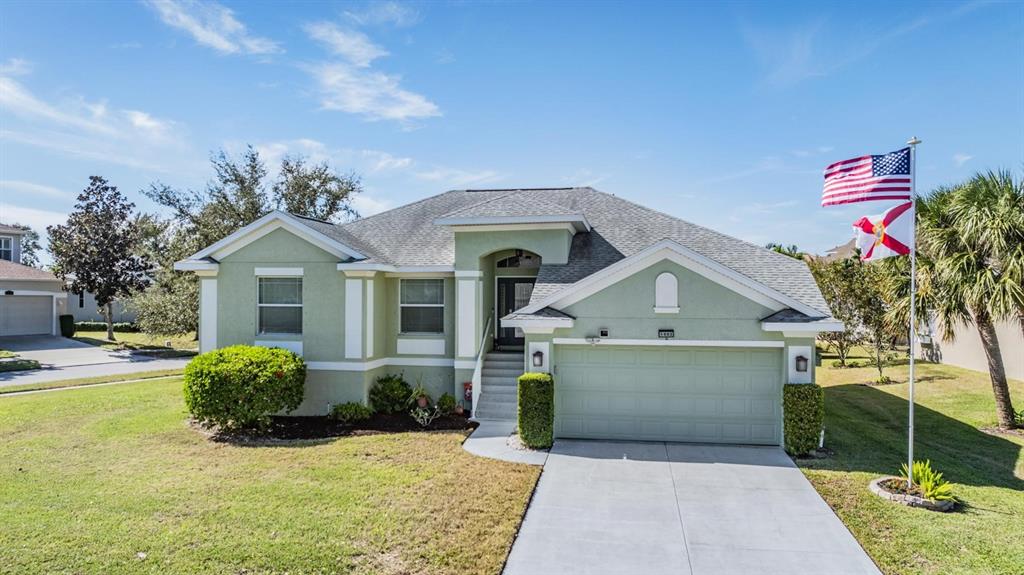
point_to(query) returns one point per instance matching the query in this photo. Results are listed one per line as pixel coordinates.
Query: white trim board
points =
(671, 342)
(417, 346)
(18, 292)
(369, 267)
(384, 361)
(683, 256)
(268, 223)
(294, 346)
(808, 330)
(278, 272)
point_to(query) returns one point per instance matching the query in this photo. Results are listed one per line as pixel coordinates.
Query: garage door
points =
(706, 395)
(26, 314)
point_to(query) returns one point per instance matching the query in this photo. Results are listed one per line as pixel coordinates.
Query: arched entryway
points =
(515, 273)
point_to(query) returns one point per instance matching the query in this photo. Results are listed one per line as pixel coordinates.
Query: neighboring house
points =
(654, 328)
(30, 298)
(83, 306)
(966, 350)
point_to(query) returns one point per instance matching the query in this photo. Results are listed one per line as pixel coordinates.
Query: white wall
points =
(966, 349)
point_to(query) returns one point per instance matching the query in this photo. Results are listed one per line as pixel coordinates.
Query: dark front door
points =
(513, 294)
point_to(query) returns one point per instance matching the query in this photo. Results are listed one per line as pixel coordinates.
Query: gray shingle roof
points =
(14, 271)
(512, 204)
(620, 228)
(6, 229)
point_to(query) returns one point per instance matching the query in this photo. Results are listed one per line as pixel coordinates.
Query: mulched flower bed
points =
(895, 489)
(286, 428)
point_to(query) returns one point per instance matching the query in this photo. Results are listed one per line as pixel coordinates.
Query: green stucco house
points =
(654, 328)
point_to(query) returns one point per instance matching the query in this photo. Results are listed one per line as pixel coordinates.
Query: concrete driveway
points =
(655, 508)
(63, 358)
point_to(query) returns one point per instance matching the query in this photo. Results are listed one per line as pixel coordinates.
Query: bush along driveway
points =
(381, 503)
(865, 426)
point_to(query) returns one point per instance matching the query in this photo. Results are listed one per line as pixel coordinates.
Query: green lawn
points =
(90, 478)
(180, 346)
(866, 427)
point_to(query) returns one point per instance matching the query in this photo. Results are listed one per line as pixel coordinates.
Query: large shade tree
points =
(237, 195)
(968, 269)
(95, 250)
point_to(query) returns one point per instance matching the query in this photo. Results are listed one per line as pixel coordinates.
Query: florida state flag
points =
(885, 235)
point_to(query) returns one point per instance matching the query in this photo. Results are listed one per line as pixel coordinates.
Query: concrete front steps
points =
(498, 378)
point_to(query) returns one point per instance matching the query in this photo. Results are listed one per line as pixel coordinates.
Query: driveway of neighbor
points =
(655, 508)
(63, 358)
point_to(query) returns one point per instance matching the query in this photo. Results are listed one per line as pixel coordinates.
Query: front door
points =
(513, 294)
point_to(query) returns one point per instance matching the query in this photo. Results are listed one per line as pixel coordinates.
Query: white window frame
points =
(10, 247)
(259, 305)
(401, 305)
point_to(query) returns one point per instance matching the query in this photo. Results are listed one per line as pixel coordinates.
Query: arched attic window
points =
(666, 293)
(520, 259)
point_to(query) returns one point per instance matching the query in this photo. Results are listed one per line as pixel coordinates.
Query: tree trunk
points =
(989, 341)
(109, 312)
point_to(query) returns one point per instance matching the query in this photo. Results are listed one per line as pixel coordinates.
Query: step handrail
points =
(478, 368)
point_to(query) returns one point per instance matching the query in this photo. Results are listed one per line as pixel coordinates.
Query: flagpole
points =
(913, 142)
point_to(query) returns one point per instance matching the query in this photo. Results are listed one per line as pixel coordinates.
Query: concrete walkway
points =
(491, 440)
(654, 508)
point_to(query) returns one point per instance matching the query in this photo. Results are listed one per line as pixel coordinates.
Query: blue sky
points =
(721, 114)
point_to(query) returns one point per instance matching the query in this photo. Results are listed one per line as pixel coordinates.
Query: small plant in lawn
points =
(419, 395)
(351, 412)
(931, 483)
(447, 404)
(242, 386)
(389, 394)
(425, 415)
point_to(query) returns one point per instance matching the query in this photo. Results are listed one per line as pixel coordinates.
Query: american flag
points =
(867, 178)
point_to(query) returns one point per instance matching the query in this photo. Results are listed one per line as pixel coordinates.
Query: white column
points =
(465, 318)
(207, 314)
(369, 318)
(354, 318)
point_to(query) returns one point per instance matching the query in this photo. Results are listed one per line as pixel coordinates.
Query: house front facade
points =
(31, 299)
(653, 327)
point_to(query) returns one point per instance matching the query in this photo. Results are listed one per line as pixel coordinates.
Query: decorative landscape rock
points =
(878, 487)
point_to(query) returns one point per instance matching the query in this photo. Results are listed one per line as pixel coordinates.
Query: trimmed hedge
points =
(242, 385)
(804, 408)
(67, 325)
(390, 394)
(536, 409)
(120, 326)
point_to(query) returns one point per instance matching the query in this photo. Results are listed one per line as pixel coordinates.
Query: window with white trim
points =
(421, 305)
(279, 306)
(666, 293)
(7, 248)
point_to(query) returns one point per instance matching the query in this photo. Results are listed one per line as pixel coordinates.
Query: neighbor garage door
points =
(714, 395)
(26, 314)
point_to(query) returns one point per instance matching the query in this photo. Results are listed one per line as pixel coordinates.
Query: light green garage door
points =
(26, 314)
(706, 395)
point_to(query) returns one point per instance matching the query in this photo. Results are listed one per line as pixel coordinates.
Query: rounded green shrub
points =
(804, 407)
(536, 409)
(351, 412)
(446, 403)
(390, 394)
(242, 386)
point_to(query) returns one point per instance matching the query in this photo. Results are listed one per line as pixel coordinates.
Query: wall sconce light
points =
(538, 358)
(592, 339)
(801, 363)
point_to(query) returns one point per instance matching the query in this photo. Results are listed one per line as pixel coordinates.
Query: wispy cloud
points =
(349, 84)
(960, 158)
(352, 45)
(384, 13)
(15, 67)
(810, 153)
(18, 189)
(361, 160)
(212, 25)
(457, 177)
(584, 177)
(32, 217)
(367, 205)
(88, 129)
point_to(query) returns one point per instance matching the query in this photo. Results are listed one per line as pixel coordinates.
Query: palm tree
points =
(966, 271)
(790, 250)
